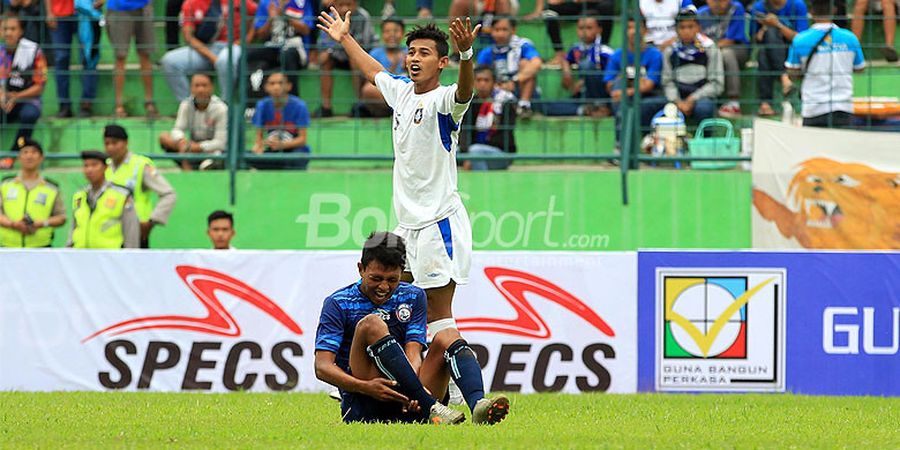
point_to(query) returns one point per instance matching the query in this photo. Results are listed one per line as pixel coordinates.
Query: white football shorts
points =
(439, 252)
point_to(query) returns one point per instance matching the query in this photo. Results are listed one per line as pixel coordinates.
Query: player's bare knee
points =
(372, 326)
(442, 340)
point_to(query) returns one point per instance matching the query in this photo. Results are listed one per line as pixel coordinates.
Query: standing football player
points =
(432, 219)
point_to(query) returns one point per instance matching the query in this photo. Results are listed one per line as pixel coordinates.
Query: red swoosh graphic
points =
(513, 285)
(204, 283)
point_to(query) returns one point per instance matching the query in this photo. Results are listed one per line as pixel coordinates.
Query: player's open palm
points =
(383, 389)
(463, 34)
(334, 25)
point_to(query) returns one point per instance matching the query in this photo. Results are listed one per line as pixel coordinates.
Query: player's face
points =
(391, 34)
(115, 148)
(588, 30)
(687, 30)
(30, 158)
(633, 28)
(378, 282)
(484, 84)
(502, 32)
(94, 170)
(220, 232)
(423, 62)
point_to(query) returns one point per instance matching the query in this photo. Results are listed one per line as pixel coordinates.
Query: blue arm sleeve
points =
(330, 332)
(801, 21)
(613, 67)
(654, 67)
(259, 119)
(529, 52)
(859, 60)
(484, 57)
(737, 27)
(302, 119)
(262, 14)
(793, 58)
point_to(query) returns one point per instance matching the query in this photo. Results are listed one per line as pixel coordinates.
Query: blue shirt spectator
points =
(505, 59)
(281, 31)
(727, 26)
(793, 14)
(651, 66)
(281, 127)
(380, 55)
(126, 5)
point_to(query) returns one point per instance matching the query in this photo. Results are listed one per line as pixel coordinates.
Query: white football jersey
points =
(425, 135)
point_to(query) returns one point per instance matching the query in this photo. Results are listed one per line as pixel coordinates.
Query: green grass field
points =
(102, 420)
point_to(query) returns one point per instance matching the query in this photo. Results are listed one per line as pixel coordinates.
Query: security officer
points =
(137, 173)
(30, 205)
(103, 213)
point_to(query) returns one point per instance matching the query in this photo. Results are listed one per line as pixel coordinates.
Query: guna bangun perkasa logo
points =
(720, 329)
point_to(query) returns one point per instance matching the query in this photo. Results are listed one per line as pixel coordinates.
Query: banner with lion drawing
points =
(825, 189)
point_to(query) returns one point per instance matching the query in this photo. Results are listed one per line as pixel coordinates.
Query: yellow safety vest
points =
(102, 226)
(37, 203)
(131, 175)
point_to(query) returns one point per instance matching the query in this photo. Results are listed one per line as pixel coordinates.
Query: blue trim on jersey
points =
(446, 125)
(444, 225)
(398, 77)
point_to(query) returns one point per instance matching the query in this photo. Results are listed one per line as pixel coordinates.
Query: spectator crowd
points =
(689, 54)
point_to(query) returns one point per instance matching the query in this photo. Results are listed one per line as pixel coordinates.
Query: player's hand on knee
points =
(382, 389)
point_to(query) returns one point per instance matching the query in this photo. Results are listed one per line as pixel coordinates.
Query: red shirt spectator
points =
(193, 12)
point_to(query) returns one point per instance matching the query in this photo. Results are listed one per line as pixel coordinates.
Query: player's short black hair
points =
(204, 75)
(486, 68)
(594, 18)
(393, 19)
(642, 20)
(386, 248)
(278, 72)
(511, 19)
(430, 32)
(219, 214)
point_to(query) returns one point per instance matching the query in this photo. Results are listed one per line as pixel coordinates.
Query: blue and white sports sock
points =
(392, 362)
(465, 371)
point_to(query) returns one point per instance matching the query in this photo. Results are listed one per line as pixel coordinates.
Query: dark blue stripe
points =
(446, 125)
(398, 77)
(444, 225)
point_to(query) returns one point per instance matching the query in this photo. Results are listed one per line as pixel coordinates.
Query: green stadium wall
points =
(557, 210)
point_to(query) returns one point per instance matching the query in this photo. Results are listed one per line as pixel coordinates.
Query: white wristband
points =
(466, 55)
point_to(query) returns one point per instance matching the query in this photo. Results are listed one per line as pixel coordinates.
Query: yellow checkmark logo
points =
(705, 341)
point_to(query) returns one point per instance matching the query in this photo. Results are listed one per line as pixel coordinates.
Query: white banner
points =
(241, 320)
(825, 189)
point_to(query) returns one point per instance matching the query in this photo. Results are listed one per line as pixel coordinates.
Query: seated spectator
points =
(333, 55)
(775, 25)
(589, 59)
(220, 229)
(515, 61)
(647, 82)
(889, 16)
(392, 56)
(282, 25)
(825, 56)
(64, 24)
(660, 18)
(201, 125)
(569, 10)
(723, 22)
(281, 120)
(692, 74)
(488, 129)
(23, 74)
(207, 45)
(127, 19)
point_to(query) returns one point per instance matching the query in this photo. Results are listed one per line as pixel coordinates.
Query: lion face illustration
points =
(837, 205)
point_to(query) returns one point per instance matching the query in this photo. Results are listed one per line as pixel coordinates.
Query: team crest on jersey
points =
(417, 117)
(404, 312)
(385, 316)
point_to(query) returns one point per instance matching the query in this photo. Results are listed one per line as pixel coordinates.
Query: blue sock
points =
(391, 361)
(465, 371)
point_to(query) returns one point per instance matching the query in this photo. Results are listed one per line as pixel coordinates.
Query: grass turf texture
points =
(102, 420)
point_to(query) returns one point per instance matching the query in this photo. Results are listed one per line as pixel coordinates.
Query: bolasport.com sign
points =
(245, 321)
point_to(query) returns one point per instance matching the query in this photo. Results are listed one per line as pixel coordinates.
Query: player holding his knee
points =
(369, 343)
(432, 219)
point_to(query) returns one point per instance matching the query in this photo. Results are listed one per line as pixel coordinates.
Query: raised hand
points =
(463, 34)
(332, 24)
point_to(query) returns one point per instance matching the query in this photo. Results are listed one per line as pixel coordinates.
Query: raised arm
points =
(339, 30)
(463, 36)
